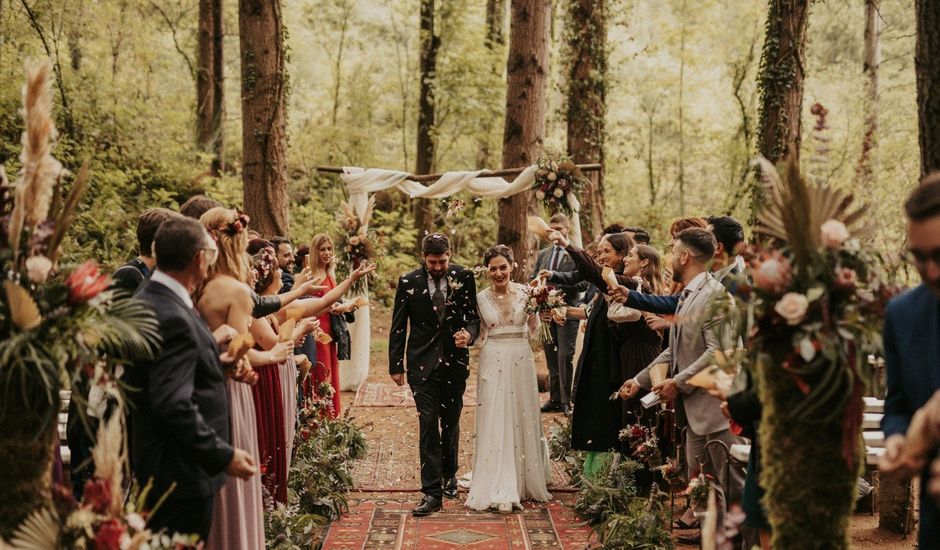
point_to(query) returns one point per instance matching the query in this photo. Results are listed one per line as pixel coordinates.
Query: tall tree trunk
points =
(870, 66)
(524, 130)
(209, 89)
(495, 40)
(218, 83)
(264, 140)
(430, 43)
(780, 82)
(586, 34)
(927, 67)
(782, 70)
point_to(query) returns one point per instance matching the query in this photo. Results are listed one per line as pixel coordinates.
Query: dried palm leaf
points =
(68, 211)
(367, 215)
(795, 210)
(40, 531)
(23, 309)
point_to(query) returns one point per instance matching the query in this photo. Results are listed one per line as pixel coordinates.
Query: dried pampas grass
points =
(41, 170)
(110, 454)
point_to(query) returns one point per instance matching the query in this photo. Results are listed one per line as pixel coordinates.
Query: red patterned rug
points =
(376, 394)
(378, 524)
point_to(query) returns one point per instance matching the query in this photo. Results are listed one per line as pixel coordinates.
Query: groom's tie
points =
(437, 299)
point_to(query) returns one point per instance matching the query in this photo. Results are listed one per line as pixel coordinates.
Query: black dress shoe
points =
(566, 409)
(429, 505)
(694, 537)
(551, 407)
(450, 488)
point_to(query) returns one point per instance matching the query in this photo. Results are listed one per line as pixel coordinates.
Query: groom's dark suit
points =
(181, 425)
(437, 369)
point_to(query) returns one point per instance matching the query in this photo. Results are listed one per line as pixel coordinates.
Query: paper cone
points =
(286, 330)
(294, 313)
(658, 373)
(323, 337)
(609, 277)
(240, 345)
(538, 226)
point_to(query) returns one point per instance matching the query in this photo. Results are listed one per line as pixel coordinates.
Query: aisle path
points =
(388, 487)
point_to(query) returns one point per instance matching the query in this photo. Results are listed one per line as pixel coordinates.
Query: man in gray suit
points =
(560, 352)
(696, 336)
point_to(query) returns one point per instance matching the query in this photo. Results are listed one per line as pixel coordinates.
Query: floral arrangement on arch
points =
(558, 180)
(355, 244)
(541, 297)
(58, 324)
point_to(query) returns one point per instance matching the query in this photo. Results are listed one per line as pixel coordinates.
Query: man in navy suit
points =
(433, 323)
(912, 349)
(181, 438)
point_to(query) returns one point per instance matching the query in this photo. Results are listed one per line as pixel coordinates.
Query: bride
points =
(510, 462)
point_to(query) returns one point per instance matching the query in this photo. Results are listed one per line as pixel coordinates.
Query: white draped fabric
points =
(360, 182)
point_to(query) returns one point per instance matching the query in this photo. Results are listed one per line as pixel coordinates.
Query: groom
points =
(438, 304)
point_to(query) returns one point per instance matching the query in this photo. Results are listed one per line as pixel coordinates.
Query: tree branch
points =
(56, 68)
(176, 44)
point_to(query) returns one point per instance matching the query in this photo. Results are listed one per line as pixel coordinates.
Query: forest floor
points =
(387, 486)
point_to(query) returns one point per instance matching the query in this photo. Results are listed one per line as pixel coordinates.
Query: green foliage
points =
(287, 528)
(645, 525)
(559, 447)
(609, 492)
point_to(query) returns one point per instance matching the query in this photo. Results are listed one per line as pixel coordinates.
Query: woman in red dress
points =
(322, 267)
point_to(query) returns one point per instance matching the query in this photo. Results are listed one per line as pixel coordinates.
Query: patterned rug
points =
(378, 524)
(372, 473)
(375, 394)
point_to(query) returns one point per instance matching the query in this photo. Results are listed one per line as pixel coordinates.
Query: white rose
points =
(833, 233)
(792, 307)
(38, 268)
(540, 195)
(558, 193)
(136, 522)
(552, 176)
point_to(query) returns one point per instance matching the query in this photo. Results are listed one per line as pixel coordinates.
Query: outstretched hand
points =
(364, 269)
(557, 238)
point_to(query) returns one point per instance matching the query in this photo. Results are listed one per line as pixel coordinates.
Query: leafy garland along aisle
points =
(320, 476)
(609, 500)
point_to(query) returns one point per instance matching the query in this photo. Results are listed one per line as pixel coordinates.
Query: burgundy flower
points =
(86, 282)
(109, 535)
(846, 278)
(97, 495)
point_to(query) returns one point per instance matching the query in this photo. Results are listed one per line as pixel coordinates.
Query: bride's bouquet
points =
(544, 297)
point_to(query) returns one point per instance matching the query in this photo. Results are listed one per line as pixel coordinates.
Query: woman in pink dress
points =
(225, 299)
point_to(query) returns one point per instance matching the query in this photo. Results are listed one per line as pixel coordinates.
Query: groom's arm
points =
(471, 317)
(398, 333)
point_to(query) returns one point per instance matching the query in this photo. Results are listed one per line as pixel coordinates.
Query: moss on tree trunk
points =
(810, 488)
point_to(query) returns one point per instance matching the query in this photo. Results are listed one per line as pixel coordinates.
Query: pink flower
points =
(846, 278)
(792, 307)
(109, 535)
(86, 282)
(774, 274)
(833, 233)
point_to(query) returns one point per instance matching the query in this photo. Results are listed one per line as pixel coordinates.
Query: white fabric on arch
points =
(360, 182)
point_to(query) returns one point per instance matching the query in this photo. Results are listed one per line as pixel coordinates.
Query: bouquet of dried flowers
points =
(355, 244)
(543, 297)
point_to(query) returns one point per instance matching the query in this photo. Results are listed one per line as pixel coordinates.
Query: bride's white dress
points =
(510, 462)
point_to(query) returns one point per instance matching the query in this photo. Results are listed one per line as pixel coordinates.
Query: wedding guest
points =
(197, 205)
(639, 344)
(596, 420)
(638, 234)
(692, 344)
(130, 275)
(560, 351)
(322, 268)
(284, 252)
(912, 349)
(275, 393)
(225, 298)
(300, 257)
(181, 424)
